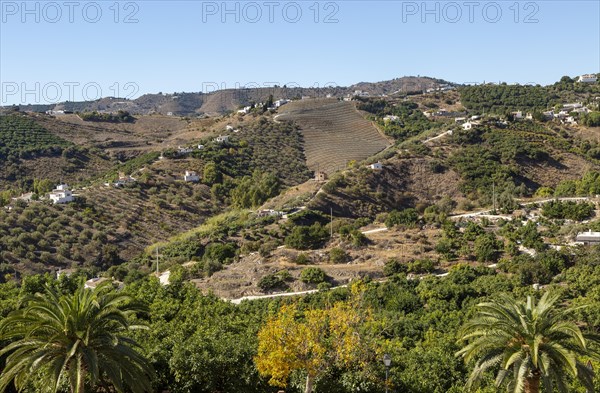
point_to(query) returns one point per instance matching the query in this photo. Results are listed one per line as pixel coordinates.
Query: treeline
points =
(119, 117)
(504, 98)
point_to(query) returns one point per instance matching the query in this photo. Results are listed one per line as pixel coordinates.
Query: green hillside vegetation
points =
(119, 117)
(264, 145)
(23, 138)
(104, 227)
(411, 120)
(504, 98)
(514, 158)
(416, 322)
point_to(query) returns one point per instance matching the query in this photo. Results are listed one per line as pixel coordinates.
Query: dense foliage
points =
(119, 117)
(22, 138)
(201, 344)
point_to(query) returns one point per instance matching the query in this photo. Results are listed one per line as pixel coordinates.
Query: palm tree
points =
(75, 339)
(530, 342)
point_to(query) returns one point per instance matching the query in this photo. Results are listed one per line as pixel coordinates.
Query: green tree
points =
(486, 247)
(78, 338)
(211, 173)
(532, 343)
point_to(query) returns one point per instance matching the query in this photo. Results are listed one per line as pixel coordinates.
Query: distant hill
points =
(223, 101)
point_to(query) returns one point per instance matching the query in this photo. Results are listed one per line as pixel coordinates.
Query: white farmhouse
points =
(468, 125)
(588, 78)
(222, 138)
(184, 150)
(376, 166)
(61, 194)
(228, 128)
(280, 102)
(191, 177)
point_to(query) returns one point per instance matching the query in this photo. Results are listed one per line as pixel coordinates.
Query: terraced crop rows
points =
(334, 133)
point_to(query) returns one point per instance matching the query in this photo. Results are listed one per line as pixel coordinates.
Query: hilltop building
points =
(376, 166)
(587, 78)
(61, 194)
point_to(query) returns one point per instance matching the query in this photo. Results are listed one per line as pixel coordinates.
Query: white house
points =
(228, 128)
(517, 115)
(529, 116)
(376, 166)
(269, 213)
(245, 110)
(391, 119)
(360, 93)
(460, 119)
(574, 105)
(191, 176)
(200, 147)
(468, 125)
(222, 138)
(280, 102)
(588, 78)
(169, 113)
(184, 150)
(124, 181)
(588, 238)
(61, 194)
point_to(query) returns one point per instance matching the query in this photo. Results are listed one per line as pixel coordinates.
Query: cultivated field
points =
(334, 133)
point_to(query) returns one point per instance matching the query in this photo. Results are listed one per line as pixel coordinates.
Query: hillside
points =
(334, 133)
(227, 99)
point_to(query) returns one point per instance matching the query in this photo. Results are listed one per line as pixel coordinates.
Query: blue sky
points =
(73, 52)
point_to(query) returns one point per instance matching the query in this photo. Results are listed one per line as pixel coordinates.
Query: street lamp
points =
(387, 361)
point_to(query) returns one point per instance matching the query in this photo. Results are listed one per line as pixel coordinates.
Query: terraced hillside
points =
(334, 133)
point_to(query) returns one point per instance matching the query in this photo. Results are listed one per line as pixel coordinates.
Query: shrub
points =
(337, 255)
(420, 266)
(275, 280)
(312, 275)
(394, 266)
(306, 237)
(301, 259)
(406, 217)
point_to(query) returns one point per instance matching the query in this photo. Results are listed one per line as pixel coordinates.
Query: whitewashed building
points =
(587, 78)
(222, 138)
(191, 177)
(61, 194)
(376, 166)
(589, 238)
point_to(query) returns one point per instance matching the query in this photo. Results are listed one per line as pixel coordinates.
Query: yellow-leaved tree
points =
(313, 341)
